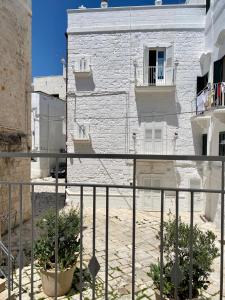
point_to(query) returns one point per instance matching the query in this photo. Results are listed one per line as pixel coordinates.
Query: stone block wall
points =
(15, 87)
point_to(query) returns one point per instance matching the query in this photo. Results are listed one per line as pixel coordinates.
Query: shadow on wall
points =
(84, 148)
(154, 106)
(197, 137)
(84, 84)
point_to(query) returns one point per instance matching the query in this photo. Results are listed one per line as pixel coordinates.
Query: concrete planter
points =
(64, 281)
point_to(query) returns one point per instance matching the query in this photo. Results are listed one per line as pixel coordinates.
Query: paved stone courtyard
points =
(120, 252)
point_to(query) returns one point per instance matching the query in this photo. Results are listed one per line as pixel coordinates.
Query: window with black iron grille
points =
(222, 143)
(204, 144)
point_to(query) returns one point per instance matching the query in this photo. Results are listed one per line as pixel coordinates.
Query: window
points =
(208, 5)
(219, 70)
(202, 83)
(153, 141)
(156, 67)
(204, 144)
(222, 143)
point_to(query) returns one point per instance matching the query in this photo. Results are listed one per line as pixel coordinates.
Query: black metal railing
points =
(107, 188)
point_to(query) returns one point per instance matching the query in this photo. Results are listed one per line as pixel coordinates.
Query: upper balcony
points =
(155, 79)
(211, 98)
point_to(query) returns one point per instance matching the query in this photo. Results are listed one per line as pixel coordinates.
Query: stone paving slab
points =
(120, 256)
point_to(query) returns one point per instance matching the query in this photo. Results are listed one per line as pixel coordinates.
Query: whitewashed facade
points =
(131, 84)
(48, 125)
(209, 123)
(52, 85)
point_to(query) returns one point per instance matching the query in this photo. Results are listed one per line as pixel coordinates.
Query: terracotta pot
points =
(64, 281)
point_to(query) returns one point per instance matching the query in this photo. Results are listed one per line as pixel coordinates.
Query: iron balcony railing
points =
(210, 98)
(155, 76)
(107, 190)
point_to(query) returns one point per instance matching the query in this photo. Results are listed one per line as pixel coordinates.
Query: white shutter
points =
(76, 67)
(169, 65)
(169, 56)
(158, 134)
(148, 142)
(145, 65)
(148, 134)
(158, 149)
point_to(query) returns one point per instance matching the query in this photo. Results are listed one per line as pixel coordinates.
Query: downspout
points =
(66, 35)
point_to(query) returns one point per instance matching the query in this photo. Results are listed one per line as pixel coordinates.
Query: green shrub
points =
(68, 239)
(204, 252)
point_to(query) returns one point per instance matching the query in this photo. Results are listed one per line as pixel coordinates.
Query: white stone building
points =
(53, 85)
(131, 84)
(209, 123)
(48, 125)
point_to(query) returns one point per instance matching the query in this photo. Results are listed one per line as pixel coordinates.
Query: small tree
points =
(204, 252)
(68, 228)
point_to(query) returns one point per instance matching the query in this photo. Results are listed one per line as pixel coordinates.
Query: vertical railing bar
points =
(222, 233)
(32, 242)
(20, 240)
(9, 241)
(107, 243)
(81, 242)
(56, 227)
(161, 244)
(176, 246)
(134, 230)
(94, 230)
(191, 245)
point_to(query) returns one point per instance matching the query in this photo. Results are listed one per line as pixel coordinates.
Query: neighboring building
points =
(131, 83)
(52, 85)
(209, 123)
(48, 124)
(15, 87)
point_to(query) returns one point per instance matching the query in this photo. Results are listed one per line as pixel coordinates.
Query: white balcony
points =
(82, 134)
(82, 66)
(157, 147)
(211, 98)
(155, 79)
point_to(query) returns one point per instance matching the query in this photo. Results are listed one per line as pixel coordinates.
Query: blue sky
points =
(49, 27)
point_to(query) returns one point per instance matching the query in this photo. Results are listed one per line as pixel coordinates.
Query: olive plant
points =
(66, 227)
(204, 251)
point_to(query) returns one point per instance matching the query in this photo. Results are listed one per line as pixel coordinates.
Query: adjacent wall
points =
(15, 86)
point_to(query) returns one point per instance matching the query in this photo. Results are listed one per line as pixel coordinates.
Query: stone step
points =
(2, 285)
(4, 295)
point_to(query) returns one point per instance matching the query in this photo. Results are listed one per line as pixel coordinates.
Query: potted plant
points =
(204, 252)
(68, 250)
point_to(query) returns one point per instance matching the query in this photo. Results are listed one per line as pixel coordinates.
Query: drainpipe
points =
(66, 35)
